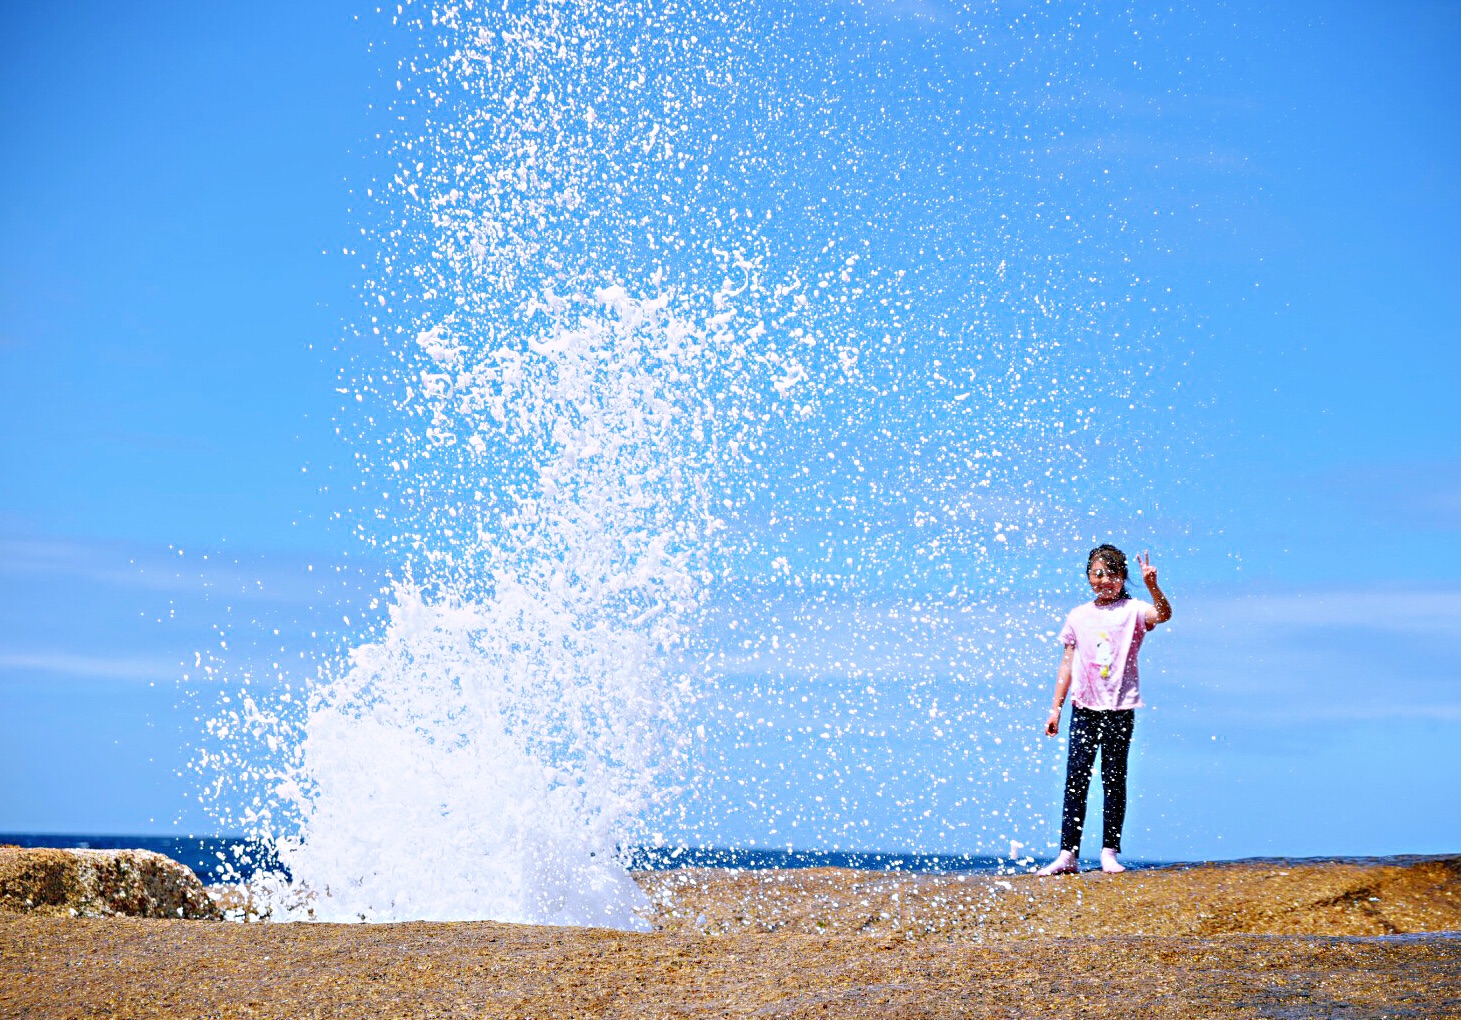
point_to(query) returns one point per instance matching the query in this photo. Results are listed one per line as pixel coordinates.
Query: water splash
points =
(720, 449)
(511, 730)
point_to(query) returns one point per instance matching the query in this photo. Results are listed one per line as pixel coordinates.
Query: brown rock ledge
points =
(124, 967)
(99, 883)
(956, 950)
(1385, 897)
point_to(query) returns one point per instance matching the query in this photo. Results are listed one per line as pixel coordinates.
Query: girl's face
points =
(1105, 582)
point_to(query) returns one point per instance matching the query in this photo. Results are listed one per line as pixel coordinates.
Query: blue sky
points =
(175, 214)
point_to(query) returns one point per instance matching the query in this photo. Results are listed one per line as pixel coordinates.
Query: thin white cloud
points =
(1429, 612)
(1320, 656)
(89, 666)
(1382, 713)
(292, 578)
(918, 10)
(1327, 657)
(1173, 151)
(1411, 493)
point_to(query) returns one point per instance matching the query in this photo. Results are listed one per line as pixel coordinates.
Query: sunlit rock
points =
(100, 883)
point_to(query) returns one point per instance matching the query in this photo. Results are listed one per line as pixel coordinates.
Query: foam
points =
(493, 750)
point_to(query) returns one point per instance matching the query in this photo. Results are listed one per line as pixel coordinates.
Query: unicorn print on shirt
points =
(1104, 654)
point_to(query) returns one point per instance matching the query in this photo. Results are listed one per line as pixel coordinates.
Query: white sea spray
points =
(492, 752)
(719, 470)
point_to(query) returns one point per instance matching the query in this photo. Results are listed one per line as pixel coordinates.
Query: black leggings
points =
(1110, 732)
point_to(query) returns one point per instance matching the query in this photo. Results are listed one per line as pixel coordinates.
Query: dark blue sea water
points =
(204, 854)
(207, 855)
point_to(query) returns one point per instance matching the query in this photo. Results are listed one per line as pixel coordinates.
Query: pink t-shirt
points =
(1106, 640)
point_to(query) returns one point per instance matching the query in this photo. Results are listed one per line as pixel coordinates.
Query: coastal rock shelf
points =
(1266, 939)
(1256, 898)
(100, 883)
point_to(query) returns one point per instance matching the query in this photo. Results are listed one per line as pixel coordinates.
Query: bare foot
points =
(1109, 864)
(1065, 864)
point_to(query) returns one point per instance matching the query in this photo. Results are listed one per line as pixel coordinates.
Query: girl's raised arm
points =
(1162, 608)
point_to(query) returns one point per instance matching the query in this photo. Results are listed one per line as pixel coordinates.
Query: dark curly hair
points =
(1114, 560)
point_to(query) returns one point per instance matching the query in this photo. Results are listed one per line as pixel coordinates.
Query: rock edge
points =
(100, 883)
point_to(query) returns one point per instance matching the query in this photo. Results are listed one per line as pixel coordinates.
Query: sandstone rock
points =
(100, 883)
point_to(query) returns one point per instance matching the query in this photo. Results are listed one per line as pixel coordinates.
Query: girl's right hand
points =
(1148, 572)
(1052, 724)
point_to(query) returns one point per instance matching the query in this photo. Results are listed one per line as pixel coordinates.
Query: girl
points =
(1101, 641)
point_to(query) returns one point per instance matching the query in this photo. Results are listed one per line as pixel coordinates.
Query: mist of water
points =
(721, 452)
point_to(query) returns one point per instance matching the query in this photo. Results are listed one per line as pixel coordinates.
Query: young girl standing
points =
(1101, 639)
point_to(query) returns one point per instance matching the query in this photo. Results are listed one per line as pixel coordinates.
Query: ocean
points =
(207, 855)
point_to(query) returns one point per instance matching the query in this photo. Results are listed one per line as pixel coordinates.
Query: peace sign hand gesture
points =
(1161, 608)
(1148, 572)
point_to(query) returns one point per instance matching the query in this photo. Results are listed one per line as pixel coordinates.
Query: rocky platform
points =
(1391, 896)
(100, 883)
(1264, 939)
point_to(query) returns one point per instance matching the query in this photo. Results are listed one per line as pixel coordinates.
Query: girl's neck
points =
(1111, 601)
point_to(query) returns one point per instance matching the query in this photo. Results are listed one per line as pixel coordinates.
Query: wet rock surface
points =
(100, 883)
(940, 960)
